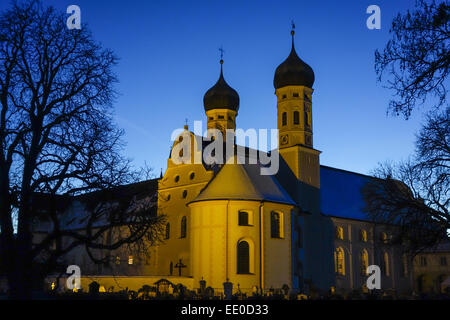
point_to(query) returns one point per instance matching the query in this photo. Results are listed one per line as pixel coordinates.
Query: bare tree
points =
(416, 60)
(57, 138)
(414, 196)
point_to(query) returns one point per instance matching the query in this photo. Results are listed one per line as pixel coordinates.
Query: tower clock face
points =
(284, 139)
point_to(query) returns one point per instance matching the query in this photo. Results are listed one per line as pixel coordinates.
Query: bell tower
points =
(221, 103)
(293, 83)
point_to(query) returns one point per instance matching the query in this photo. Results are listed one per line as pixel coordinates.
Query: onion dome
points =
(293, 71)
(221, 95)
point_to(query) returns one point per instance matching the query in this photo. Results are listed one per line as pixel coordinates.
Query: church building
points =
(303, 227)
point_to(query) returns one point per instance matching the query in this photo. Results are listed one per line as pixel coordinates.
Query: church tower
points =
(221, 103)
(293, 83)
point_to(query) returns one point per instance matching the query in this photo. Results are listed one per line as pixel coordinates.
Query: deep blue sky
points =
(169, 58)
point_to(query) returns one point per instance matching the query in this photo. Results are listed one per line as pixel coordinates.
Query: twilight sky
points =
(169, 57)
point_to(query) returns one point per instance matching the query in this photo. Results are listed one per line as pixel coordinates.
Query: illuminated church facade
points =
(302, 227)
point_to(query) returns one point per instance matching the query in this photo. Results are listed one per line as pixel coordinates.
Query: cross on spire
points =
(292, 32)
(221, 52)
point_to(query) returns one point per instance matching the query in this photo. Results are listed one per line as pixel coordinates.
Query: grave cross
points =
(180, 265)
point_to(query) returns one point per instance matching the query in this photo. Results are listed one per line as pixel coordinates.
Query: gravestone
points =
(228, 290)
(209, 293)
(202, 287)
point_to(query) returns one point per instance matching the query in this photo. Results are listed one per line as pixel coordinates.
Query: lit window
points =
(243, 257)
(384, 237)
(339, 261)
(117, 260)
(364, 261)
(340, 233)
(130, 260)
(386, 270)
(363, 235)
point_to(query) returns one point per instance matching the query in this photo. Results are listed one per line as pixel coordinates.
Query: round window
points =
(184, 193)
(177, 178)
(192, 175)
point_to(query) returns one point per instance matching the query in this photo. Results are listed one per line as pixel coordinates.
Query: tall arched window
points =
(275, 225)
(183, 227)
(339, 261)
(340, 233)
(386, 264)
(296, 117)
(167, 231)
(284, 119)
(364, 261)
(243, 257)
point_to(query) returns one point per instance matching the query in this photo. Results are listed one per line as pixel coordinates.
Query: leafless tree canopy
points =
(415, 194)
(416, 60)
(57, 136)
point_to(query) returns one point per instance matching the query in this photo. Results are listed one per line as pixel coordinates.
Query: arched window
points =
(243, 218)
(167, 231)
(340, 233)
(284, 119)
(243, 257)
(363, 235)
(296, 117)
(364, 261)
(306, 119)
(275, 225)
(183, 227)
(386, 264)
(339, 261)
